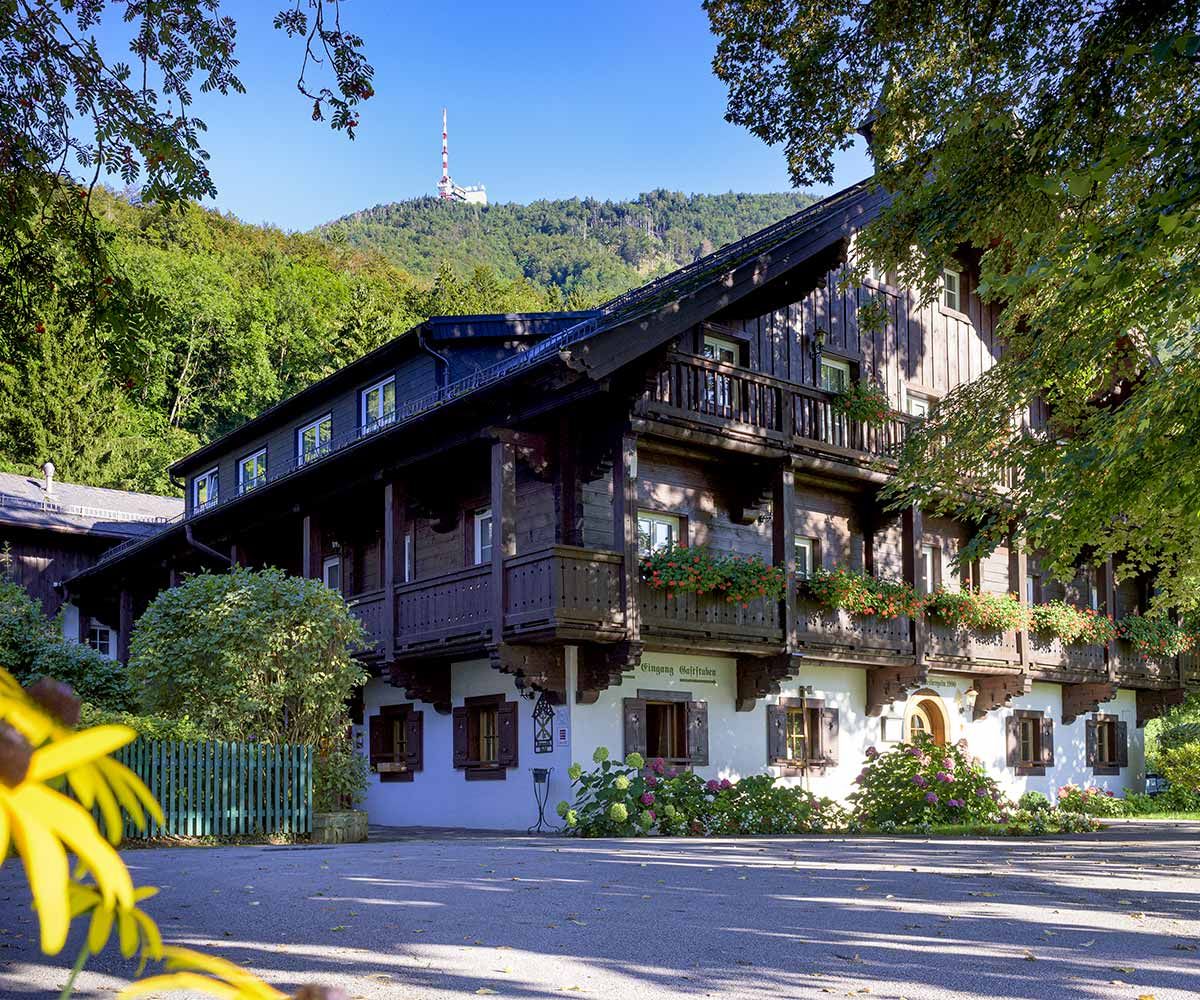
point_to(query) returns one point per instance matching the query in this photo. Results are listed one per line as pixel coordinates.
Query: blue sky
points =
(546, 100)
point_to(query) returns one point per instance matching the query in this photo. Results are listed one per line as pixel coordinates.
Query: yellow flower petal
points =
(114, 826)
(4, 833)
(79, 748)
(131, 790)
(127, 933)
(99, 929)
(46, 868)
(186, 958)
(175, 981)
(152, 944)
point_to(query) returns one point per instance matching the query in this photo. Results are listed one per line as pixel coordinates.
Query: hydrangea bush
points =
(921, 783)
(1090, 801)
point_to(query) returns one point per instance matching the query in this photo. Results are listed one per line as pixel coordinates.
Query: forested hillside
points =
(199, 321)
(589, 249)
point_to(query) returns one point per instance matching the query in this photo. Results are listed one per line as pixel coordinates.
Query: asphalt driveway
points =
(1110, 916)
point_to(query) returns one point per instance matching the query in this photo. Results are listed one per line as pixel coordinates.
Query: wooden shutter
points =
(414, 735)
(776, 733)
(1012, 741)
(460, 716)
(830, 727)
(697, 733)
(1089, 732)
(1122, 744)
(506, 723)
(635, 725)
(1047, 742)
(377, 731)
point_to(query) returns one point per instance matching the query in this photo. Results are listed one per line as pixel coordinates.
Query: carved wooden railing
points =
(1050, 652)
(368, 609)
(709, 616)
(452, 607)
(948, 642)
(837, 629)
(563, 586)
(818, 421)
(1134, 666)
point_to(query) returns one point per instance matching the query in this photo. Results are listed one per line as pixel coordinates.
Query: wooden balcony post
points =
(394, 531)
(125, 624)
(1018, 581)
(783, 544)
(625, 527)
(1109, 597)
(913, 532)
(504, 527)
(566, 486)
(310, 560)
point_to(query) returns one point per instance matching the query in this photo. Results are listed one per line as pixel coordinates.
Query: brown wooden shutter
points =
(635, 726)
(697, 732)
(1048, 742)
(1089, 732)
(377, 730)
(506, 723)
(461, 743)
(1012, 741)
(776, 733)
(830, 728)
(414, 735)
(1122, 744)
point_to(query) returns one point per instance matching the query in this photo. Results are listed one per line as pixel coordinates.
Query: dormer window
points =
(204, 490)
(379, 404)
(952, 289)
(314, 440)
(252, 471)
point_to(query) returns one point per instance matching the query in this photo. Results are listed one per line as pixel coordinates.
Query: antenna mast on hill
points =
(449, 191)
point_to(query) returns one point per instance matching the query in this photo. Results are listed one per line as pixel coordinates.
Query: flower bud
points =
(56, 698)
(15, 755)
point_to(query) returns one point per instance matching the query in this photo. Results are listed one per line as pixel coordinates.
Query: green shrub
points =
(1040, 822)
(250, 655)
(864, 401)
(1034, 802)
(1177, 736)
(738, 579)
(632, 798)
(1090, 801)
(152, 727)
(922, 783)
(339, 779)
(24, 630)
(1181, 766)
(1176, 798)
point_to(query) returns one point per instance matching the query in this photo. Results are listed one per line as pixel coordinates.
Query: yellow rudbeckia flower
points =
(224, 980)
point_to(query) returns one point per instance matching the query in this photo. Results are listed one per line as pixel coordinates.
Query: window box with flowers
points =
(861, 595)
(736, 579)
(1074, 626)
(975, 611)
(1154, 636)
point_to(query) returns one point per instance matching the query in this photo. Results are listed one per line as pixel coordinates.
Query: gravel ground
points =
(1114, 915)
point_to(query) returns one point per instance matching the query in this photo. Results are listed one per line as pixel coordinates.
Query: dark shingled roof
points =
(83, 509)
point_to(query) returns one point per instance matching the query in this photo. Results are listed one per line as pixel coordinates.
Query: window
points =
(379, 404)
(659, 531)
(806, 556)
(720, 391)
(485, 736)
(952, 289)
(409, 574)
(481, 522)
(877, 274)
(204, 489)
(916, 406)
(835, 375)
(99, 637)
(1030, 739)
(667, 724)
(1033, 588)
(252, 471)
(801, 734)
(931, 562)
(1107, 744)
(331, 573)
(314, 440)
(396, 738)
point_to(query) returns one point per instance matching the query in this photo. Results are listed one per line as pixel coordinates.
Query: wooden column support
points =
(428, 682)
(783, 546)
(1018, 581)
(625, 538)
(760, 676)
(504, 528)
(888, 684)
(601, 666)
(125, 623)
(394, 530)
(542, 668)
(310, 560)
(566, 486)
(1083, 699)
(913, 534)
(994, 691)
(1152, 704)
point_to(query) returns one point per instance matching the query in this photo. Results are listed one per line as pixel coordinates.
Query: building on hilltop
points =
(51, 530)
(483, 490)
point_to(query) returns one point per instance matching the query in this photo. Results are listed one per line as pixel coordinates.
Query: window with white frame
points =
(916, 406)
(252, 470)
(409, 566)
(204, 489)
(952, 289)
(99, 637)
(314, 440)
(482, 529)
(331, 573)
(806, 556)
(379, 404)
(835, 374)
(658, 531)
(720, 390)
(721, 349)
(931, 560)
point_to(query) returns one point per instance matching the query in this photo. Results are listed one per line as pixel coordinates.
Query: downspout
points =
(441, 357)
(201, 547)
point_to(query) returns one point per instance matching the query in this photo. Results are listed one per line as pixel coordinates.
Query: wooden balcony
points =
(708, 621)
(950, 645)
(838, 636)
(368, 608)
(1134, 667)
(743, 404)
(1051, 658)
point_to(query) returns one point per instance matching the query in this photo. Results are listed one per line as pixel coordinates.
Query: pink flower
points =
(919, 780)
(948, 764)
(658, 765)
(647, 798)
(943, 777)
(931, 798)
(872, 752)
(672, 773)
(726, 784)
(713, 785)
(653, 815)
(651, 781)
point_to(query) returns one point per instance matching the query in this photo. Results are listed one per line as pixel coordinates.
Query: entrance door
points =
(925, 718)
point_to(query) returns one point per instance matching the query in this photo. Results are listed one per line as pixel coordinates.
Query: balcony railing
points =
(836, 631)
(1051, 653)
(709, 616)
(946, 642)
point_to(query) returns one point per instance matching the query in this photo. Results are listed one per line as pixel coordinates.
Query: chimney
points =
(48, 472)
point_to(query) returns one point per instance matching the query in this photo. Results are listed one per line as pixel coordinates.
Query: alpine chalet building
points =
(482, 488)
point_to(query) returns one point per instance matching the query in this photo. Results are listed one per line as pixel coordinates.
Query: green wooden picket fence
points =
(215, 789)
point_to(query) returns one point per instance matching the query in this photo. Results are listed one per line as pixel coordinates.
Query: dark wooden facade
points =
(565, 427)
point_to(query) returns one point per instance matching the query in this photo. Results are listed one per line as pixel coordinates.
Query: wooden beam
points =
(913, 534)
(542, 668)
(760, 676)
(394, 531)
(1018, 580)
(1152, 704)
(995, 691)
(1109, 597)
(125, 624)
(625, 528)
(888, 684)
(1083, 699)
(783, 545)
(504, 527)
(310, 559)
(601, 666)
(566, 485)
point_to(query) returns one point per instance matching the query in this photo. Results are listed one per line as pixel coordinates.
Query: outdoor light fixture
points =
(819, 336)
(541, 794)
